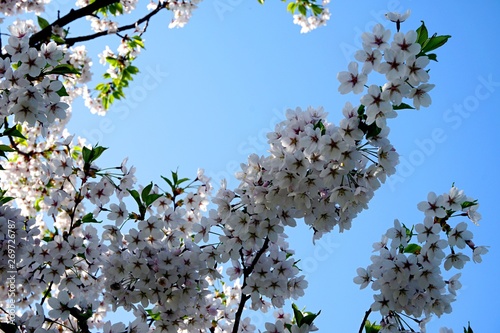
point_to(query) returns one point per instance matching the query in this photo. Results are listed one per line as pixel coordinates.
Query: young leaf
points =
(422, 34)
(432, 56)
(136, 196)
(169, 182)
(297, 314)
(63, 69)
(89, 218)
(435, 42)
(413, 248)
(43, 23)
(468, 329)
(403, 106)
(146, 191)
(14, 131)
(62, 92)
(309, 318)
(4, 200)
(302, 9)
(467, 204)
(5, 148)
(371, 327)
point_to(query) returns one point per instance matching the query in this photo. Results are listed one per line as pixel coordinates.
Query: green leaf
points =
(361, 110)
(58, 39)
(4, 200)
(37, 204)
(468, 329)
(62, 92)
(182, 180)
(86, 153)
(6, 148)
(153, 315)
(413, 248)
(435, 42)
(63, 69)
(371, 327)
(89, 218)
(291, 7)
(145, 191)
(97, 150)
(321, 127)
(403, 106)
(302, 9)
(169, 182)
(174, 177)
(136, 196)
(309, 318)
(14, 131)
(297, 314)
(432, 56)
(137, 40)
(151, 198)
(43, 23)
(132, 69)
(467, 204)
(422, 34)
(113, 61)
(90, 155)
(316, 9)
(372, 130)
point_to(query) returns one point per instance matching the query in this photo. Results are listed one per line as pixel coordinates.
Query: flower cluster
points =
(28, 84)
(407, 276)
(183, 10)
(164, 253)
(11, 8)
(327, 173)
(318, 17)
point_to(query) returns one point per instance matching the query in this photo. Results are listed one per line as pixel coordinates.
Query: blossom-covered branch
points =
(73, 15)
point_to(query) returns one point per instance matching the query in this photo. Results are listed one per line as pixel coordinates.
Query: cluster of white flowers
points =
(28, 102)
(11, 8)
(182, 9)
(326, 173)
(311, 22)
(167, 267)
(407, 275)
(402, 65)
(105, 24)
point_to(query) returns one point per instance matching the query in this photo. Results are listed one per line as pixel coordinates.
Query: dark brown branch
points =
(73, 15)
(363, 322)
(146, 18)
(246, 272)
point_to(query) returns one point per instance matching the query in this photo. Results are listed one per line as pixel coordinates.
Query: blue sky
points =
(209, 92)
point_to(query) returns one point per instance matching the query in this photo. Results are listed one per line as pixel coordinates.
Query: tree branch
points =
(146, 18)
(73, 15)
(365, 318)
(246, 272)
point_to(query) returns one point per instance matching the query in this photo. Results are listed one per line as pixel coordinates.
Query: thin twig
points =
(146, 18)
(365, 318)
(246, 272)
